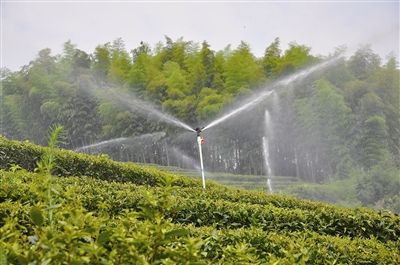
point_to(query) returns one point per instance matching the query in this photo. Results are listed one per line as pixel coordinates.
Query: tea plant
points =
(117, 213)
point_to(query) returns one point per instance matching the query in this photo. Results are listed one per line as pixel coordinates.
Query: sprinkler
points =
(200, 141)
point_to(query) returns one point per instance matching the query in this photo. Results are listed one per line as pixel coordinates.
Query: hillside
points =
(108, 212)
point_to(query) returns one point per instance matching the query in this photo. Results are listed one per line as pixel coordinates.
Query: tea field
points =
(92, 210)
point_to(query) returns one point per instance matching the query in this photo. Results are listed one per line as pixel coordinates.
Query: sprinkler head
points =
(198, 131)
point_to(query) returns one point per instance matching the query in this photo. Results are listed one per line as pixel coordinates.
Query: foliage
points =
(294, 58)
(341, 119)
(47, 162)
(99, 222)
(242, 71)
(323, 118)
(379, 186)
(342, 192)
(272, 58)
(69, 163)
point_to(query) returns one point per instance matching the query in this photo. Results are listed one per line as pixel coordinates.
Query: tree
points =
(175, 51)
(323, 121)
(120, 63)
(364, 63)
(373, 143)
(208, 61)
(81, 60)
(369, 131)
(242, 71)
(197, 76)
(271, 59)
(143, 49)
(13, 122)
(389, 91)
(178, 92)
(378, 184)
(210, 103)
(80, 119)
(117, 122)
(139, 76)
(218, 82)
(295, 58)
(101, 60)
(177, 87)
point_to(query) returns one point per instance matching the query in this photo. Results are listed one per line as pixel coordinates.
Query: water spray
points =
(148, 109)
(200, 141)
(266, 152)
(101, 144)
(270, 89)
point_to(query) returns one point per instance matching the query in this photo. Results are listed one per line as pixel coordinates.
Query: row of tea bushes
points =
(141, 233)
(69, 163)
(192, 208)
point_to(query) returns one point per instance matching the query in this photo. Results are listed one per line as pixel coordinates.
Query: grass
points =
(341, 192)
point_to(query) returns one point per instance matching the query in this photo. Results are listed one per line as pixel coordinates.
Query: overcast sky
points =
(29, 26)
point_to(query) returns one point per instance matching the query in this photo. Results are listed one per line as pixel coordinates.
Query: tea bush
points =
(68, 163)
(190, 208)
(99, 222)
(118, 213)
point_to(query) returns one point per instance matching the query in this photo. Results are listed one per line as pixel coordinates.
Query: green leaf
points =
(53, 206)
(103, 237)
(176, 233)
(37, 216)
(3, 257)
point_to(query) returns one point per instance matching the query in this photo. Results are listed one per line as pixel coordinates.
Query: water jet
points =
(270, 89)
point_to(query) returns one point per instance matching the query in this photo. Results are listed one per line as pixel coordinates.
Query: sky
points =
(30, 26)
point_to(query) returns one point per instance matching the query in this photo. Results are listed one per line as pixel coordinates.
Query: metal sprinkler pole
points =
(199, 140)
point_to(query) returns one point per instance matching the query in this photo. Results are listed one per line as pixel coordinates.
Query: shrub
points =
(68, 163)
